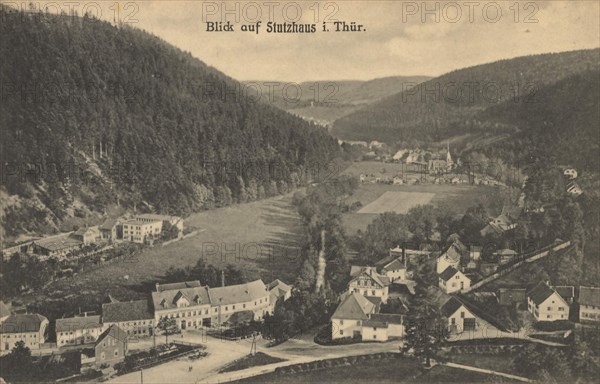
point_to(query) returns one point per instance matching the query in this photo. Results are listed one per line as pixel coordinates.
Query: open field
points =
(398, 202)
(260, 238)
(458, 197)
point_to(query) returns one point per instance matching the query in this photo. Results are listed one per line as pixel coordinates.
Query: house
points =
(395, 270)
(173, 221)
(111, 229)
(87, 235)
(111, 346)
(369, 283)
(57, 246)
(29, 328)
(77, 330)
(460, 318)
(453, 280)
(140, 231)
(450, 257)
(589, 304)
(505, 255)
(437, 166)
(570, 173)
(279, 291)
(398, 180)
(545, 304)
(187, 302)
(475, 252)
(357, 317)
(252, 297)
(133, 317)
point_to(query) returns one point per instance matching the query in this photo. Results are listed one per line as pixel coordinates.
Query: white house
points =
(453, 280)
(29, 328)
(357, 317)
(449, 258)
(545, 304)
(589, 304)
(570, 173)
(398, 180)
(460, 318)
(369, 283)
(139, 231)
(395, 270)
(187, 302)
(78, 330)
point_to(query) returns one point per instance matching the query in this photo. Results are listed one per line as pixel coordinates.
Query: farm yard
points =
(260, 238)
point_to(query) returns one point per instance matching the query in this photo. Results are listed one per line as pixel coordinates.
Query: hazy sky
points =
(400, 38)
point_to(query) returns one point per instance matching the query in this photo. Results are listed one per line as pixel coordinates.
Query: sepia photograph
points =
(299, 191)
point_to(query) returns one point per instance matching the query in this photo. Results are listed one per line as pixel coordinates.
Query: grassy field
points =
(251, 361)
(458, 197)
(396, 370)
(398, 202)
(261, 238)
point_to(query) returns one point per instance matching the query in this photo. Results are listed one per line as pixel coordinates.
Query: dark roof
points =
(353, 307)
(396, 264)
(567, 292)
(77, 323)
(241, 317)
(168, 298)
(22, 323)
(451, 306)
(180, 285)
(113, 331)
(387, 318)
(589, 296)
(109, 224)
(448, 273)
(126, 311)
(4, 310)
(540, 293)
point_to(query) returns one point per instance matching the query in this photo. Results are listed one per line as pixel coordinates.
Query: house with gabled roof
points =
(452, 280)
(136, 318)
(357, 317)
(450, 257)
(187, 302)
(545, 304)
(395, 270)
(279, 291)
(589, 304)
(368, 282)
(460, 318)
(111, 346)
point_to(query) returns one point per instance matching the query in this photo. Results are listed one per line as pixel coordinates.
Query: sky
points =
(407, 38)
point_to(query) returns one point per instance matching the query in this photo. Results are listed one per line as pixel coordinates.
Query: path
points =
(487, 371)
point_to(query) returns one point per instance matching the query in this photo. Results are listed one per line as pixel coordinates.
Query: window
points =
(374, 329)
(243, 305)
(462, 315)
(373, 293)
(116, 352)
(341, 333)
(226, 308)
(357, 322)
(374, 336)
(102, 356)
(341, 322)
(234, 307)
(561, 308)
(549, 308)
(548, 316)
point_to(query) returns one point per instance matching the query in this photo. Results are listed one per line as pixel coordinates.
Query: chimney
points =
(222, 278)
(404, 254)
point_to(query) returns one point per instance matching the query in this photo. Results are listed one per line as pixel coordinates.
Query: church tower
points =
(449, 161)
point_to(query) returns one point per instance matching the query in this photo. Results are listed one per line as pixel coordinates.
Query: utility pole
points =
(253, 346)
(142, 375)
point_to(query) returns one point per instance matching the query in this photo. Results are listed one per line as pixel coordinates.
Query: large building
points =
(77, 330)
(589, 304)
(174, 221)
(133, 317)
(57, 246)
(545, 304)
(252, 299)
(187, 302)
(87, 235)
(141, 231)
(29, 328)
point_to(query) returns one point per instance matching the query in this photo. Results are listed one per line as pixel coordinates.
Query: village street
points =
(221, 352)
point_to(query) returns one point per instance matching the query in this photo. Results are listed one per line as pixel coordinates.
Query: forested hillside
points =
(111, 114)
(454, 104)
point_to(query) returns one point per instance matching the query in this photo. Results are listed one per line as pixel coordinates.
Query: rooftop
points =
(241, 293)
(540, 293)
(77, 323)
(180, 285)
(448, 273)
(589, 296)
(354, 307)
(126, 311)
(168, 298)
(22, 323)
(113, 331)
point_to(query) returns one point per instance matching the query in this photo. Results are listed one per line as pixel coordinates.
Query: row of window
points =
(216, 310)
(20, 336)
(588, 315)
